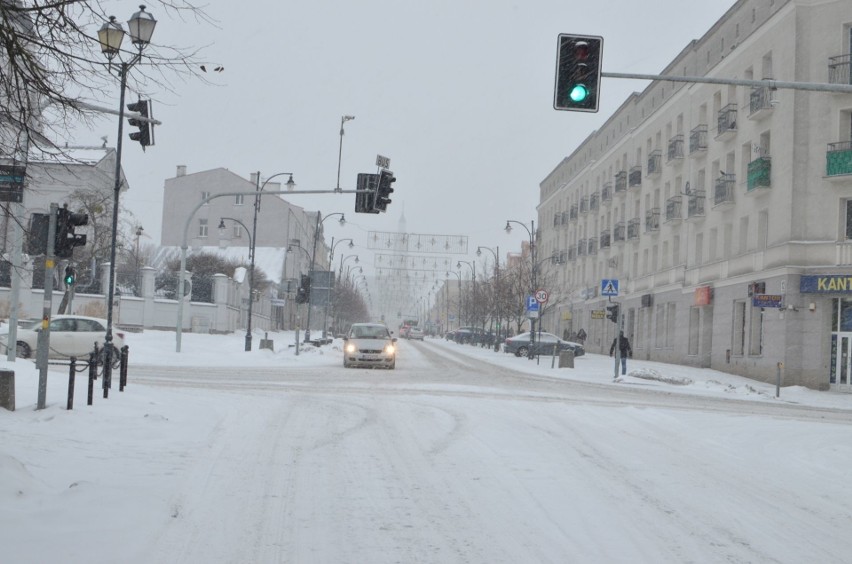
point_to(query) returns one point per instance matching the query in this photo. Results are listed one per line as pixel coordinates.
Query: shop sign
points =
(826, 283)
(704, 295)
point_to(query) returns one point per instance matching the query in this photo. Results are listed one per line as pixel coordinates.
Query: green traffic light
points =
(578, 93)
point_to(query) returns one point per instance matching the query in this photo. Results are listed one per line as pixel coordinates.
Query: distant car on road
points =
(415, 334)
(70, 335)
(369, 345)
(545, 344)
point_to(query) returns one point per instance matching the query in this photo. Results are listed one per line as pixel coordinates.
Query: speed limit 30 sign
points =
(541, 296)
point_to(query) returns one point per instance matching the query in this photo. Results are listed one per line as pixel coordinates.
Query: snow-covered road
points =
(449, 459)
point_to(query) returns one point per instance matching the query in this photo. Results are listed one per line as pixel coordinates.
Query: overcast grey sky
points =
(457, 93)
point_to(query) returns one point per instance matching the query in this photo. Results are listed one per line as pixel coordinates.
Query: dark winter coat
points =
(626, 351)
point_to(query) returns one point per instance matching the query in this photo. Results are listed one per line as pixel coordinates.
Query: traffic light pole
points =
(44, 335)
(772, 84)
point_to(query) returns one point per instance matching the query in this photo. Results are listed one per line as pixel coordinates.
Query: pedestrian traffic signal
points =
(578, 73)
(612, 313)
(386, 180)
(70, 276)
(65, 239)
(303, 294)
(145, 135)
(365, 201)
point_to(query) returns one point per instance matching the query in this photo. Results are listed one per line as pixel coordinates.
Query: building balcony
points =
(633, 228)
(605, 241)
(839, 69)
(675, 149)
(674, 211)
(655, 162)
(621, 182)
(723, 189)
(726, 123)
(652, 220)
(761, 102)
(619, 234)
(594, 202)
(759, 174)
(634, 177)
(695, 204)
(698, 140)
(606, 192)
(838, 159)
(584, 204)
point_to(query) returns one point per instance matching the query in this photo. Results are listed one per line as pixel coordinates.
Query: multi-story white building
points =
(725, 212)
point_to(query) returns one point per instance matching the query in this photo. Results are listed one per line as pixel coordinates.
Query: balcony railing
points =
(621, 181)
(759, 173)
(839, 69)
(584, 204)
(634, 178)
(695, 204)
(673, 208)
(723, 190)
(582, 247)
(675, 150)
(652, 220)
(593, 245)
(698, 139)
(655, 162)
(760, 102)
(838, 159)
(572, 214)
(594, 202)
(606, 192)
(727, 121)
(605, 239)
(633, 228)
(620, 232)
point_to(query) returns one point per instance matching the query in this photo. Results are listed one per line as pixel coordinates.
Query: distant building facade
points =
(724, 212)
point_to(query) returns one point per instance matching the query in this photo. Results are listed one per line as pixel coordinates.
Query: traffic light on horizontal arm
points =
(365, 200)
(386, 180)
(145, 135)
(578, 73)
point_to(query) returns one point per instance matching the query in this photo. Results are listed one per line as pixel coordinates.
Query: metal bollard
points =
(93, 374)
(107, 383)
(72, 374)
(122, 370)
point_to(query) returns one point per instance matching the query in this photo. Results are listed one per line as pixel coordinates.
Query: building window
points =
(202, 228)
(239, 199)
(204, 196)
(755, 347)
(694, 319)
(671, 310)
(848, 219)
(238, 232)
(738, 332)
(661, 324)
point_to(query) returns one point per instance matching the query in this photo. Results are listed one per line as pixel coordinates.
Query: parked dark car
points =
(545, 344)
(468, 335)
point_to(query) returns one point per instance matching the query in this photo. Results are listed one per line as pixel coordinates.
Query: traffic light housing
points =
(37, 234)
(303, 294)
(578, 73)
(70, 276)
(65, 239)
(365, 201)
(385, 189)
(145, 135)
(612, 313)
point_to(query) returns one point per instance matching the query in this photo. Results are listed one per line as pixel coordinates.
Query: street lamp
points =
(222, 229)
(110, 36)
(472, 267)
(531, 233)
(253, 240)
(343, 260)
(343, 120)
(342, 222)
(448, 299)
(496, 288)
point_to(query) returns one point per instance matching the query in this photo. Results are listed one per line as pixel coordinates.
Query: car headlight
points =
(390, 349)
(351, 348)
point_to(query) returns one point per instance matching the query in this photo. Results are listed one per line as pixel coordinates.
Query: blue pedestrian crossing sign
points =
(609, 287)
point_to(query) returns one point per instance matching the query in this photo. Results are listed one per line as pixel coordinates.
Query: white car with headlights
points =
(369, 345)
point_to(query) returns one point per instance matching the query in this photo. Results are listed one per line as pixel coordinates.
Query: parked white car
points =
(70, 335)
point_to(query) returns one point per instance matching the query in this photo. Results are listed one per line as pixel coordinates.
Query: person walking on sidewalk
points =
(624, 349)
